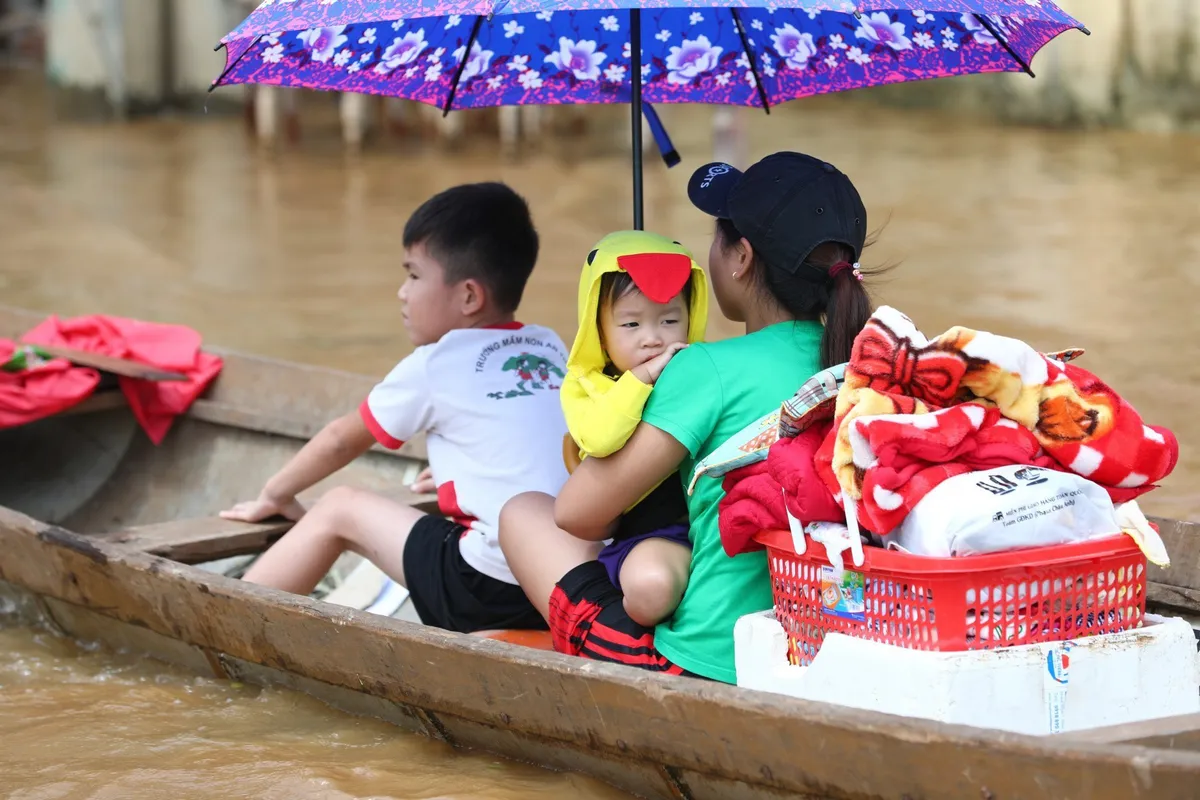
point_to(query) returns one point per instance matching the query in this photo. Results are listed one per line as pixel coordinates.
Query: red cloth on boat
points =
(155, 404)
(40, 391)
(753, 502)
(791, 463)
(759, 496)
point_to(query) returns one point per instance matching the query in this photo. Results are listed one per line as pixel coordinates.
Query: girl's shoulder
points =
(784, 340)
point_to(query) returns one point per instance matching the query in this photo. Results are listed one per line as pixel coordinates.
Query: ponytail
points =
(827, 286)
(846, 313)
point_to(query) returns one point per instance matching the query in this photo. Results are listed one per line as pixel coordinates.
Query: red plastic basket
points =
(1041, 594)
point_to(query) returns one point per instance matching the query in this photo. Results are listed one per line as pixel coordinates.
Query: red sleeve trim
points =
(381, 436)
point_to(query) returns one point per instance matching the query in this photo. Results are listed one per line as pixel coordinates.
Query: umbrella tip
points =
(1085, 30)
(219, 46)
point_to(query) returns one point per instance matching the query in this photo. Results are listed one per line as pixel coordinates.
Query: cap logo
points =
(714, 171)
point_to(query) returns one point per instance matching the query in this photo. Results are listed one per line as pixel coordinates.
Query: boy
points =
(642, 298)
(484, 389)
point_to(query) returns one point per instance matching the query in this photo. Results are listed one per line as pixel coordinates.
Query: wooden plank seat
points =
(191, 541)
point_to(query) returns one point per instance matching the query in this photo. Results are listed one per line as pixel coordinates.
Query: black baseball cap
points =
(785, 205)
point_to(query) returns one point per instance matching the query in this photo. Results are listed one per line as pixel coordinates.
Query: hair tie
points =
(842, 266)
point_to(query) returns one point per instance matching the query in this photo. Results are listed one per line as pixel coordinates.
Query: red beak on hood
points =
(659, 276)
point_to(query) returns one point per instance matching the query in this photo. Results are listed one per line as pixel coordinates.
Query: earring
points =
(735, 276)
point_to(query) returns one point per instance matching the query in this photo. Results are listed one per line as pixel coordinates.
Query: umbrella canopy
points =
(467, 54)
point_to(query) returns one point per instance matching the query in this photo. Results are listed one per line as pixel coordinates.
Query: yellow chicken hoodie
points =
(603, 412)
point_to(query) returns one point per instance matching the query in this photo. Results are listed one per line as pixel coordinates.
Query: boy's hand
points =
(263, 508)
(648, 373)
(424, 483)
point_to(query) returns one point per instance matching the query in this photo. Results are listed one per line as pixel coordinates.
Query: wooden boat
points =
(98, 528)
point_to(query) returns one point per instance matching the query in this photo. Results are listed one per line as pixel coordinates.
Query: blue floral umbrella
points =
(472, 53)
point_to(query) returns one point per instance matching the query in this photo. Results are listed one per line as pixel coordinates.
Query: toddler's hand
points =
(648, 373)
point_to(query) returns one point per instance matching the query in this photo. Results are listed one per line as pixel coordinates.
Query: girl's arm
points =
(600, 489)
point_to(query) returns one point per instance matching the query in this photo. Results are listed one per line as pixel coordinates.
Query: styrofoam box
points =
(1115, 678)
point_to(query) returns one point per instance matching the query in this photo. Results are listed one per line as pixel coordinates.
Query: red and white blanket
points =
(1023, 407)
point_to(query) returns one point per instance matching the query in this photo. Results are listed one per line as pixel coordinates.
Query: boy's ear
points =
(473, 297)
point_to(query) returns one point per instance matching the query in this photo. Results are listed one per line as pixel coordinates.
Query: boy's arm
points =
(397, 408)
(602, 413)
(338, 443)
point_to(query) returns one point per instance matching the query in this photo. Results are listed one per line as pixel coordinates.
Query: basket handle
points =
(798, 540)
(856, 548)
(832, 550)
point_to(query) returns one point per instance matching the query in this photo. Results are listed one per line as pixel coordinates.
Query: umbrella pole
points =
(635, 104)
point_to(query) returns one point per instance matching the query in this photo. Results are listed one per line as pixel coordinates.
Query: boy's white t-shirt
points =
(487, 400)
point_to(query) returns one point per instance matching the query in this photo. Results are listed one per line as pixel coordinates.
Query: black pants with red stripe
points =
(588, 619)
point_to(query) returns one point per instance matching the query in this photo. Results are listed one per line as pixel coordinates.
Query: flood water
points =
(80, 723)
(1061, 238)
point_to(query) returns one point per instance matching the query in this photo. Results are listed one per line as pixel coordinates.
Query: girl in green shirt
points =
(784, 257)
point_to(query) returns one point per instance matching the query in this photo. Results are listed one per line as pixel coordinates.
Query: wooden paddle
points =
(117, 366)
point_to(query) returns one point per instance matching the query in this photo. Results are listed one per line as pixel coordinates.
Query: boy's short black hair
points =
(482, 231)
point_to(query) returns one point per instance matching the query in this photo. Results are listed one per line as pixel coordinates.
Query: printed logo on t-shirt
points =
(532, 373)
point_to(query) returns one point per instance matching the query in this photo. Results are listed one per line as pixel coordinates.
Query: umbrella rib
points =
(987, 24)
(462, 65)
(758, 84)
(236, 61)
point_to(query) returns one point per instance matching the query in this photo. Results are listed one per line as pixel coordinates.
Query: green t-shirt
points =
(706, 394)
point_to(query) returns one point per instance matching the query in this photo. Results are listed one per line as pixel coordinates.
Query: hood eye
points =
(592, 257)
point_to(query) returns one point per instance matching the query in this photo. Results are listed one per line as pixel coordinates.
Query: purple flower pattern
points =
(689, 54)
(295, 15)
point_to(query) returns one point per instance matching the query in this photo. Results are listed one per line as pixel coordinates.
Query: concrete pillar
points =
(196, 28)
(105, 53)
(1158, 31)
(1086, 68)
(1160, 86)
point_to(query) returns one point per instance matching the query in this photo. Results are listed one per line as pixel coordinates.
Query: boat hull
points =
(654, 735)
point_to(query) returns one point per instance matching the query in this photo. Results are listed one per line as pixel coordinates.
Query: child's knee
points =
(652, 580)
(337, 508)
(651, 594)
(519, 510)
(338, 499)
(652, 590)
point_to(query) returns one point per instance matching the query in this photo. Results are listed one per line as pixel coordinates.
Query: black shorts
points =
(588, 619)
(449, 593)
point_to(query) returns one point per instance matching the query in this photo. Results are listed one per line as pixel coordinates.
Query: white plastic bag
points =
(1005, 508)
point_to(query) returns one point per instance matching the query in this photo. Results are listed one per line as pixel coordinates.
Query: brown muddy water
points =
(1061, 238)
